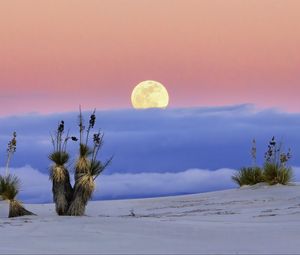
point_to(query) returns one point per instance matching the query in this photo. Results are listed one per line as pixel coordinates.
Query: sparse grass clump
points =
(248, 176)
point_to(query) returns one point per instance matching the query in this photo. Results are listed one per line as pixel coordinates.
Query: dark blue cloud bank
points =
(156, 152)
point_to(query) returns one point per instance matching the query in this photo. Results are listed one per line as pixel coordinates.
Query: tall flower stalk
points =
(253, 153)
(11, 149)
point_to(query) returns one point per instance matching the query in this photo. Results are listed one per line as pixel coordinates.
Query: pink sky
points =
(57, 54)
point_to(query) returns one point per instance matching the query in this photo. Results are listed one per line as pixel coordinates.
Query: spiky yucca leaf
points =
(96, 167)
(9, 187)
(277, 174)
(248, 176)
(59, 157)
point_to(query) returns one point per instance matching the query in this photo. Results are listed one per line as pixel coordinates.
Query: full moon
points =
(149, 94)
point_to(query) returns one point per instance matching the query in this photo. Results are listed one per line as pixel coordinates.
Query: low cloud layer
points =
(36, 187)
(161, 140)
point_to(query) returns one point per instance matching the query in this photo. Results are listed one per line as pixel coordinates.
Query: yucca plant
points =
(59, 175)
(276, 170)
(87, 168)
(10, 184)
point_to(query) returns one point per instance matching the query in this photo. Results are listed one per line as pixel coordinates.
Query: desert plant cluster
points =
(69, 199)
(275, 169)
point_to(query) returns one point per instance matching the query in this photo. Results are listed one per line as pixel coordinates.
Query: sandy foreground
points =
(252, 220)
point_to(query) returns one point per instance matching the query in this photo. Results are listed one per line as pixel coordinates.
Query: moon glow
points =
(149, 94)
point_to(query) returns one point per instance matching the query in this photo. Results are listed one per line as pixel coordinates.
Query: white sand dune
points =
(252, 220)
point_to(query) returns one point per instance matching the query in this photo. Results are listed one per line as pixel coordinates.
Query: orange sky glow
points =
(55, 55)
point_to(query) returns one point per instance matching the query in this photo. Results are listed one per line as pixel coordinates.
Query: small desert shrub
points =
(248, 176)
(277, 174)
(9, 188)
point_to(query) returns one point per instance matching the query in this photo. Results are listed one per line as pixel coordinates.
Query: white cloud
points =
(36, 186)
(158, 184)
